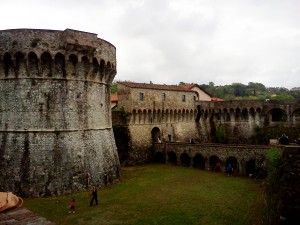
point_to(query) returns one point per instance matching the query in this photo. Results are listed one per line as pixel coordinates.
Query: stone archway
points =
(172, 158)
(213, 160)
(199, 161)
(251, 167)
(156, 134)
(159, 157)
(185, 159)
(234, 165)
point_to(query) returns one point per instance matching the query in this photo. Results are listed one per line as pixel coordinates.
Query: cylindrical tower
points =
(55, 119)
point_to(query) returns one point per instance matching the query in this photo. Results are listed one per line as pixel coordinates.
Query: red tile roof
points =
(114, 97)
(215, 99)
(155, 86)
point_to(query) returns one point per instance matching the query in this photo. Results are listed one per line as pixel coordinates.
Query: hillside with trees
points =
(252, 91)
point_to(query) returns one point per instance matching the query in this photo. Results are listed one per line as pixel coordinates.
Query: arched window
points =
(33, 64)
(7, 64)
(199, 162)
(59, 61)
(20, 64)
(185, 159)
(46, 65)
(73, 60)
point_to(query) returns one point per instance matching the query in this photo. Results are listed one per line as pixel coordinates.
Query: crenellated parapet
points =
(49, 54)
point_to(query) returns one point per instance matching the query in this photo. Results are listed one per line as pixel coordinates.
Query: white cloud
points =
(169, 41)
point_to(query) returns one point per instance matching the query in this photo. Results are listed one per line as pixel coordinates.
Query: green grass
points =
(161, 194)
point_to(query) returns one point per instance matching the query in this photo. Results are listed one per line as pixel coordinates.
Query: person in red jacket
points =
(72, 206)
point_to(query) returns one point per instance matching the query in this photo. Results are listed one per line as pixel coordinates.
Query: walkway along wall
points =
(55, 117)
(248, 158)
(237, 121)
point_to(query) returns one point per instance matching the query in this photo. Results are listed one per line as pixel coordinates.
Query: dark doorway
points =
(172, 158)
(185, 159)
(159, 157)
(250, 167)
(199, 162)
(156, 134)
(213, 160)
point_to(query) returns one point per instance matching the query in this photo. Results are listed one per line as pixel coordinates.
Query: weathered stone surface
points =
(55, 118)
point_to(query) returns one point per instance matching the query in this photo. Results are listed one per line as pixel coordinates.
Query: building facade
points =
(156, 113)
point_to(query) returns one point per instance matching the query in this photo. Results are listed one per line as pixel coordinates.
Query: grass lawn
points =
(162, 194)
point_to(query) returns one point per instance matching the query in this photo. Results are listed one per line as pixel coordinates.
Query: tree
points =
(239, 89)
(114, 88)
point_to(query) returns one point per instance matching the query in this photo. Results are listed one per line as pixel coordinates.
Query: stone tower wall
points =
(55, 120)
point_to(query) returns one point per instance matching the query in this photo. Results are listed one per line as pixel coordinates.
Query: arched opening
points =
(95, 66)
(251, 168)
(172, 158)
(238, 114)
(84, 67)
(20, 64)
(156, 134)
(213, 160)
(205, 114)
(73, 60)
(199, 162)
(33, 64)
(59, 61)
(278, 115)
(46, 64)
(252, 113)
(245, 115)
(185, 159)
(145, 117)
(102, 67)
(296, 116)
(159, 157)
(226, 115)
(7, 64)
(232, 164)
(140, 116)
(218, 114)
(232, 114)
(108, 65)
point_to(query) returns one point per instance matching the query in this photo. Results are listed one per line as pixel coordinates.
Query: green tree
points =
(114, 87)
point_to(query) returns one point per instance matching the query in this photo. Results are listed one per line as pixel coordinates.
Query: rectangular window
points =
(183, 98)
(141, 96)
(163, 97)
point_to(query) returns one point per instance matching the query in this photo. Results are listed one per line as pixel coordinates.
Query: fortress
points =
(55, 117)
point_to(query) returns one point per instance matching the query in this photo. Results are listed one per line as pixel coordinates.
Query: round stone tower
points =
(55, 119)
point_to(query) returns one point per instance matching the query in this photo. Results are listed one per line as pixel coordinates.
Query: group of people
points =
(230, 169)
(93, 197)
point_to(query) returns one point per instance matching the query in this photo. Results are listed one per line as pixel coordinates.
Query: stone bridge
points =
(205, 156)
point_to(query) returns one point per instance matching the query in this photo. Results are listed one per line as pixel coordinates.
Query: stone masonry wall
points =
(55, 119)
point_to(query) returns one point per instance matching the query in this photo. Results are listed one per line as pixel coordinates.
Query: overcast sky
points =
(169, 41)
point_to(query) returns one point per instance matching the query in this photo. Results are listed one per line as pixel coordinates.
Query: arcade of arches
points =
(205, 156)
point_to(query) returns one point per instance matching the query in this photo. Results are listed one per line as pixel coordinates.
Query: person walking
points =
(94, 196)
(72, 206)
